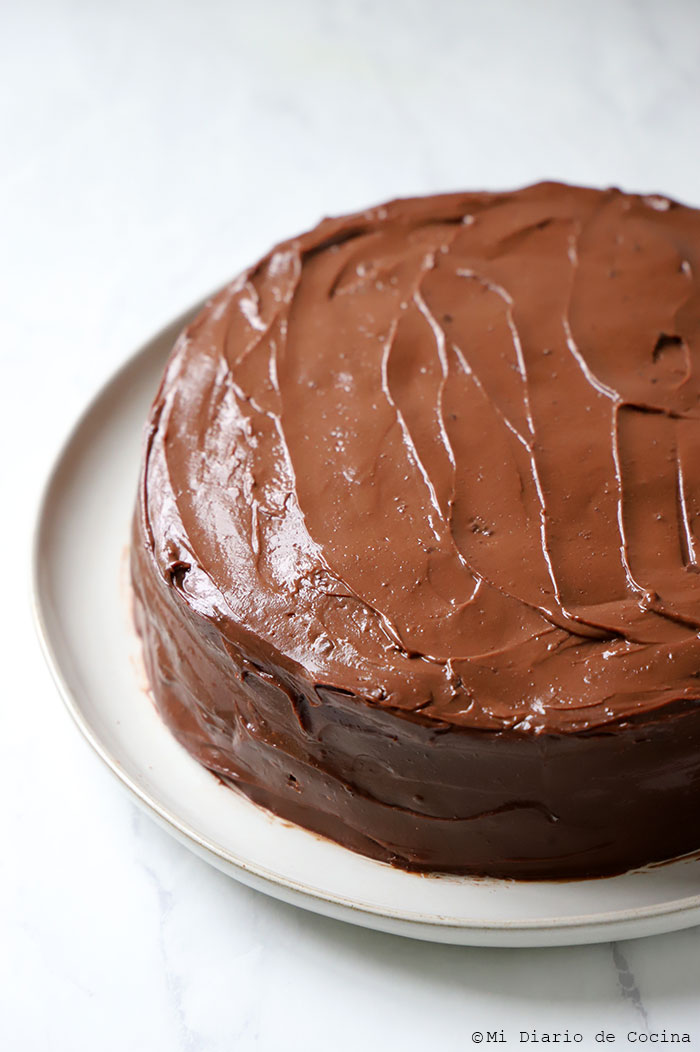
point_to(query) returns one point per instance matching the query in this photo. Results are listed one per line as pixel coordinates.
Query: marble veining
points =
(627, 982)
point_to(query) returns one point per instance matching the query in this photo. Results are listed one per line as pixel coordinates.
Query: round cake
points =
(417, 545)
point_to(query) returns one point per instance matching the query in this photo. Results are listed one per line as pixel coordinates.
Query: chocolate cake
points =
(416, 550)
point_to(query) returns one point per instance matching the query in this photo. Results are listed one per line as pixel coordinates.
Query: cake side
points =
(417, 795)
(415, 551)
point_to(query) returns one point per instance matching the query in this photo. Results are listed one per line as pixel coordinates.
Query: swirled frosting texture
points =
(445, 455)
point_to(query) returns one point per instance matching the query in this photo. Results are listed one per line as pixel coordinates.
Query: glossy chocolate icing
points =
(417, 545)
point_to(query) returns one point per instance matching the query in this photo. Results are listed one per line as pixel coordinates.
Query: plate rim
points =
(275, 883)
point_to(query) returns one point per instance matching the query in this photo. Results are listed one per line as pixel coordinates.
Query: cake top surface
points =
(444, 454)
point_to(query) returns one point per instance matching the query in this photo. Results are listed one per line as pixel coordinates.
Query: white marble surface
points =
(147, 151)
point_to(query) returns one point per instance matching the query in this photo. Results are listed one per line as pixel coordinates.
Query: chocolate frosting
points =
(437, 463)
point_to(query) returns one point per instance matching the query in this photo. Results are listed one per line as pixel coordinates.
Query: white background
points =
(147, 152)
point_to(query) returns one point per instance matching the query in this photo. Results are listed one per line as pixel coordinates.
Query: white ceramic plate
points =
(84, 624)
